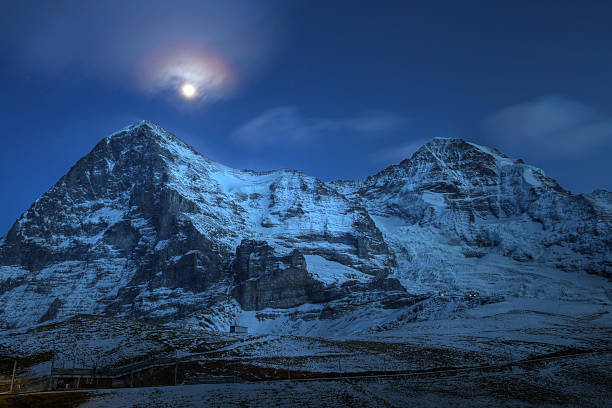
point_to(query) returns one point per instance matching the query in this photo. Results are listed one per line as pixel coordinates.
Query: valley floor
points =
(568, 378)
(583, 380)
(513, 353)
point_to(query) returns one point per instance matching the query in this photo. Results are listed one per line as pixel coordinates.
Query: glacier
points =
(144, 227)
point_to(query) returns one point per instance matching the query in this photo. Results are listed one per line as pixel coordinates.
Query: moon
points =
(195, 74)
(188, 90)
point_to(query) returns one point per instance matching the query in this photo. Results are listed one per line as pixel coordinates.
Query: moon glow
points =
(188, 90)
(194, 74)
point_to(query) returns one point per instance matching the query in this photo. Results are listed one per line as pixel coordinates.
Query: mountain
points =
(145, 227)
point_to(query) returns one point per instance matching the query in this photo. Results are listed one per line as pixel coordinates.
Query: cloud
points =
(150, 44)
(551, 125)
(286, 125)
(398, 153)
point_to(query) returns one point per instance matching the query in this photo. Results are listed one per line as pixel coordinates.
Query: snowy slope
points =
(145, 227)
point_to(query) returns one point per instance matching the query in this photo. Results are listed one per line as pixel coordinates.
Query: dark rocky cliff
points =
(143, 226)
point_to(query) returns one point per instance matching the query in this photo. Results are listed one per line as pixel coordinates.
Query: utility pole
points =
(13, 376)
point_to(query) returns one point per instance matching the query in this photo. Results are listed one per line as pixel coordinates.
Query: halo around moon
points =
(195, 73)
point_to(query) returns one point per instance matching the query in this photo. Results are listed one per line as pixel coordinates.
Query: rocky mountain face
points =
(265, 280)
(145, 227)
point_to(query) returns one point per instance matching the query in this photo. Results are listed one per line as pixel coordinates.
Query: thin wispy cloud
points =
(551, 125)
(151, 45)
(396, 154)
(287, 125)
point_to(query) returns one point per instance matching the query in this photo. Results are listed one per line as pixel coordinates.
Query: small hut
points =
(238, 329)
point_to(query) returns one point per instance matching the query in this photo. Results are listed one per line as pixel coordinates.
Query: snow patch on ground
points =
(333, 273)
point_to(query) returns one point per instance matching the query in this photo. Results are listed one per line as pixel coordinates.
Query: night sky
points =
(337, 89)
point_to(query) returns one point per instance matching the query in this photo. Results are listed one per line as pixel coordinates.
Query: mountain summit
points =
(145, 227)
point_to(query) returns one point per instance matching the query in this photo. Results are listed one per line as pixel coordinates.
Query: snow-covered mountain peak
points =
(144, 226)
(456, 152)
(144, 133)
(155, 129)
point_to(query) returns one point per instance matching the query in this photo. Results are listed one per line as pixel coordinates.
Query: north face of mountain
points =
(145, 227)
(143, 219)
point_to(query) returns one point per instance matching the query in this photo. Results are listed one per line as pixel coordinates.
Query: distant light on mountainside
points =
(458, 258)
(145, 227)
(360, 204)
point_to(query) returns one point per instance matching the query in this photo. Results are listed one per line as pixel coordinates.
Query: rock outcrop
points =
(267, 281)
(145, 227)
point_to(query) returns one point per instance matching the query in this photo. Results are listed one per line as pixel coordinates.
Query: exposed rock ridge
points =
(143, 226)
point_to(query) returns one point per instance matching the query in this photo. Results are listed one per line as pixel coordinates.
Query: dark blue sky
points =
(338, 89)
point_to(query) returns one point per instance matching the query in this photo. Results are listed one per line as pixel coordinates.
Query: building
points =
(238, 329)
(79, 378)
